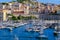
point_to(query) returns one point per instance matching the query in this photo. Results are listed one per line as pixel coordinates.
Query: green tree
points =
(33, 17)
(27, 1)
(14, 18)
(19, 17)
(5, 3)
(20, 1)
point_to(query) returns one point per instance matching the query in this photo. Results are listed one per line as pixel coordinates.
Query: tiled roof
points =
(18, 12)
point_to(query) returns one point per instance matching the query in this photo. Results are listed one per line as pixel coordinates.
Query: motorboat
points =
(36, 29)
(29, 29)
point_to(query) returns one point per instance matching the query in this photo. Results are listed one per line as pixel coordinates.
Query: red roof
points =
(18, 12)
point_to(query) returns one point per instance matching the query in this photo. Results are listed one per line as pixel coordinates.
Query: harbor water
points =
(19, 33)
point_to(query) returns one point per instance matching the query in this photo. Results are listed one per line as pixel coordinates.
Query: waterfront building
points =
(58, 11)
(1, 16)
(52, 8)
(6, 11)
(13, 8)
(57, 8)
(20, 9)
(4, 15)
(1, 13)
(39, 7)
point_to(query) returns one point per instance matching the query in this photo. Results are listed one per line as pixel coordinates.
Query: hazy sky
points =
(5, 0)
(43, 1)
(50, 1)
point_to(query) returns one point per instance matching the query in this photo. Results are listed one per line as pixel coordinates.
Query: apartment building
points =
(58, 9)
(19, 8)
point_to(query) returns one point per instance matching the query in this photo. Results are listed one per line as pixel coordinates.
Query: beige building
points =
(20, 9)
(6, 10)
(15, 9)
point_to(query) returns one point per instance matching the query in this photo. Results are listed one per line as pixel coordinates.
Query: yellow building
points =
(4, 15)
(6, 10)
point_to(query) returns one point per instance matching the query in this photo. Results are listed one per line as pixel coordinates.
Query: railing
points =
(49, 17)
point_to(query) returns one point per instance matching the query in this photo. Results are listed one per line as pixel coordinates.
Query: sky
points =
(42, 1)
(5, 0)
(50, 1)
